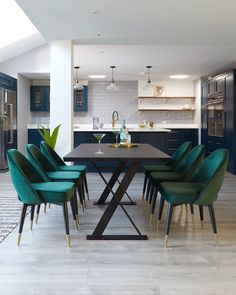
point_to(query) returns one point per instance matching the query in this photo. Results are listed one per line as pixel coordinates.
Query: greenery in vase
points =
(3, 119)
(50, 139)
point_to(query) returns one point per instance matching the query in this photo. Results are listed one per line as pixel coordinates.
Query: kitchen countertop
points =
(131, 127)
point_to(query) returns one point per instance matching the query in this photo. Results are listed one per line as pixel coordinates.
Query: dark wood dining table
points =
(128, 161)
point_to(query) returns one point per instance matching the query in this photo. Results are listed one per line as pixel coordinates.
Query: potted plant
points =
(3, 118)
(50, 139)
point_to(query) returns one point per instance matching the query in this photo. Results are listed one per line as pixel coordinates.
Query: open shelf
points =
(165, 104)
(167, 97)
(166, 109)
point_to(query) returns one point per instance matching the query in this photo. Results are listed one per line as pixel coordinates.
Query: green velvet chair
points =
(182, 172)
(46, 170)
(176, 158)
(59, 164)
(33, 189)
(201, 189)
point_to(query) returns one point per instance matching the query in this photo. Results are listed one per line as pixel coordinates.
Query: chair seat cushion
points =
(180, 192)
(157, 177)
(64, 176)
(78, 168)
(55, 193)
(157, 168)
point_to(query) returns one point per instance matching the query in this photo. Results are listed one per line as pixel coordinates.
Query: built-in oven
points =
(215, 117)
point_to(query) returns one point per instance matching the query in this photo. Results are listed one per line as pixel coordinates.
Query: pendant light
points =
(148, 85)
(77, 85)
(112, 85)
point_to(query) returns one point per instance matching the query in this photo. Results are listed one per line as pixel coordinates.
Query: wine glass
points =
(116, 133)
(99, 137)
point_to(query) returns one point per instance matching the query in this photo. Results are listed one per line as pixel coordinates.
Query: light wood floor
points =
(191, 265)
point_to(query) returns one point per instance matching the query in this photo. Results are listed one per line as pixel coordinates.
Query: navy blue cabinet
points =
(178, 136)
(34, 137)
(220, 88)
(81, 100)
(8, 82)
(39, 98)
(230, 119)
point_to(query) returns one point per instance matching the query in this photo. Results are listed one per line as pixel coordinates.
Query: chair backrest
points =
(211, 173)
(181, 152)
(52, 156)
(191, 162)
(23, 174)
(37, 158)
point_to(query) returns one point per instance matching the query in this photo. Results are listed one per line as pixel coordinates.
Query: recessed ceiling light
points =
(142, 73)
(99, 35)
(96, 12)
(179, 76)
(97, 76)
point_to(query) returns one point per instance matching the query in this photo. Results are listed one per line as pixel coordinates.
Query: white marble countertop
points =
(131, 127)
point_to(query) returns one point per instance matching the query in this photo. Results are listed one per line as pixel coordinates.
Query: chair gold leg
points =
(158, 223)
(202, 224)
(68, 240)
(166, 241)
(31, 224)
(151, 218)
(37, 218)
(216, 239)
(76, 222)
(146, 204)
(77, 218)
(19, 239)
(192, 215)
(49, 205)
(45, 208)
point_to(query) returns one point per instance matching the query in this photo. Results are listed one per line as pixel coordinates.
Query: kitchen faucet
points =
(113, 118)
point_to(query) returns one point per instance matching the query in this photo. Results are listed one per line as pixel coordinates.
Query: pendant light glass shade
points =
(148, 85)
(112, 85)
(77, 85)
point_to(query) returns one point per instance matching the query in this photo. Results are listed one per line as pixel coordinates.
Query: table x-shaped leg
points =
(114, 178)
(112, 206)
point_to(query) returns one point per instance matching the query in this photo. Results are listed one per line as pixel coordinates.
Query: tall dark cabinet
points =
(218, 118)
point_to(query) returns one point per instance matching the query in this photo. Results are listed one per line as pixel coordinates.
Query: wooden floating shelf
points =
(166, 109)
(167, 97)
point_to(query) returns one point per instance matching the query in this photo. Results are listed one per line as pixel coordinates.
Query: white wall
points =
(23, 111)
(102, 102)
(61, 94)
(171, 88)
(34, 61)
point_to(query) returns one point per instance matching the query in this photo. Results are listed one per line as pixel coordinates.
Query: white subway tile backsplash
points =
(102, 102)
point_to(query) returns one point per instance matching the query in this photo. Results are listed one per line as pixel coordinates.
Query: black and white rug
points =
(10, 206)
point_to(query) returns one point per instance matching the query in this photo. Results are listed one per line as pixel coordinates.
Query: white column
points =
(61, 94)
(23, 111)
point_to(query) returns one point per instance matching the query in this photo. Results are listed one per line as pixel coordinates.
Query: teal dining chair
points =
(182, 172)
(59, 164)
(201, 189)
(45, 168)
(33, 189)
(176, 158)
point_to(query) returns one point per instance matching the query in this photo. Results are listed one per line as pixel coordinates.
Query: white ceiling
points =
(184, 36)
(131, 60)
(21, 46)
